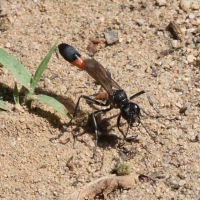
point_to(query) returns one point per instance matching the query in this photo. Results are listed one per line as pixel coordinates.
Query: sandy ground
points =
(32, 167)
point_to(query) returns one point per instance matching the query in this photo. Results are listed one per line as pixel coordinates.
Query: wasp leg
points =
(95, 126)
(76, 111)
(118, 125)
(151, 103)
(129, 124)
(152, 137)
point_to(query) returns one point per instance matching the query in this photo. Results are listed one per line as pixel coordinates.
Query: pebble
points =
(190, 58)
(171, 64)
(198, 40)
(182, 182)
(8, 45)
(161, 2)
(121, 40)
(22, 119)
(128, 40)
(178, 105)
(185, 5)
(46, 82)
(80, 163)
(175, 44)
(101, 20)
(111, 37)
(11, 20)
(198, 29)
(191, 16)
(18, 107)
(13, 7)
(36, 46)
(140, 22)
(195, 5)
(183, 109)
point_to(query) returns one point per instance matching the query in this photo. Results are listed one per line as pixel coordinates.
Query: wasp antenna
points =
(152, 137)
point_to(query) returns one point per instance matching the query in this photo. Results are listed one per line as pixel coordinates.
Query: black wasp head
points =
(130, 112)
(68, 52)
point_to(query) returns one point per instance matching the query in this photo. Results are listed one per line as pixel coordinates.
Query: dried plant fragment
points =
(92, 47)
(105, 185)
(175, 30)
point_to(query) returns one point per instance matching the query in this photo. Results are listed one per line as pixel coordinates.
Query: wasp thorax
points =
(119, 98)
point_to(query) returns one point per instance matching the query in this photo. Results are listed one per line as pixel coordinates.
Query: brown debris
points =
(175, 30)
(65, 141)
(93, 46)
(69, 164)
(165, 53)
(105, 185)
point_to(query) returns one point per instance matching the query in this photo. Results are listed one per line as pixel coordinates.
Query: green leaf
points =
(16, 94)
(2, 105)
(41, 68)
(16, 68)
(51, 102)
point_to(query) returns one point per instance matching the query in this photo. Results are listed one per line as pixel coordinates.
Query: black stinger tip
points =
(68, 52)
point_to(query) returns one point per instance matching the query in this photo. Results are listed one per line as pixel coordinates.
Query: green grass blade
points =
(16, 68)
(41, 68)
(16, 94)
(51, 102)
(2, 105)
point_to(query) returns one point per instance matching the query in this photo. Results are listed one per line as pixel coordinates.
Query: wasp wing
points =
(98, 72)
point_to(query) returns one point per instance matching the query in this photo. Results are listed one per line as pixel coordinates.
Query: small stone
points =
(175, 44)
(121, 40)
(198, 40)
(55, 193)
(8, 45)
(195, 5)
(4, 70)
(194, 22)
(11, 20)
(36, 46)
(13, 7)
(18, 107)
(178, 105)
(182, 182)
(183, 109)
(128, 40)
(140, 22)
(22, 119)
(101, 20)
(198, 29)
(121, 27)
(185, 5)
(191, 16)
(161, 2)
(80, 163)
(171, 64)
(46, 82)
(190, 58)
(111, 37)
